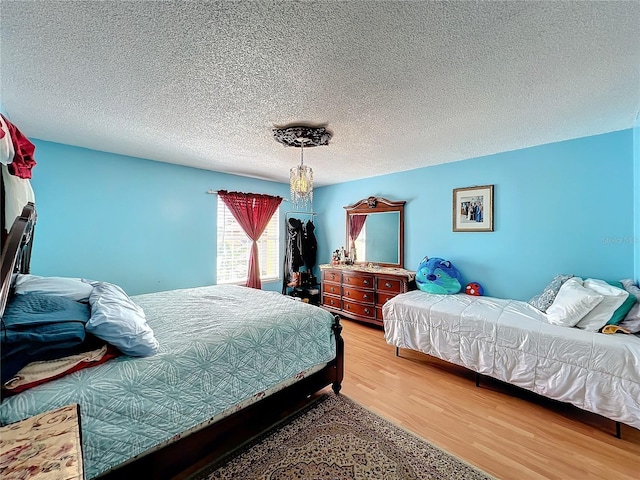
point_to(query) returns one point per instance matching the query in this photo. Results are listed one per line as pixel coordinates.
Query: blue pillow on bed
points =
(40, 327)
(118, 320)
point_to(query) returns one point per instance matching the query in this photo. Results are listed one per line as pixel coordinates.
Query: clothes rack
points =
(288, 214)
(300, 252)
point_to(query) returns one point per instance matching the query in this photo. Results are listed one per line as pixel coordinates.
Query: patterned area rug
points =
(336, 438)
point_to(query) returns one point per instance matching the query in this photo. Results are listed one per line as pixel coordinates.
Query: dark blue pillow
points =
(40, 327)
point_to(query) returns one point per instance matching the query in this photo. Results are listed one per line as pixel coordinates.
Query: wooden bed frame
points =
(211, 442)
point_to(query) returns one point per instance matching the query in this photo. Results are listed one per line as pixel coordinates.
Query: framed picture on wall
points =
(473, 209)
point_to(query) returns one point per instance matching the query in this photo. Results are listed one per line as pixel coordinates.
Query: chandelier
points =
(301, 176)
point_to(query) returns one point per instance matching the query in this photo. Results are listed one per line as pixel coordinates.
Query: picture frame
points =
(473, 209)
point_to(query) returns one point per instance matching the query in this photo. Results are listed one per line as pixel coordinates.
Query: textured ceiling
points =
(400, 84)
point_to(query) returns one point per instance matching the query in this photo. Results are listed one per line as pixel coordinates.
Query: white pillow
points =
(613, 297)
(118, 320)
(72, 288)
(572, 303)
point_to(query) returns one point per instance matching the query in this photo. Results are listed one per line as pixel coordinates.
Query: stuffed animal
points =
(474, 288)
(436, 275)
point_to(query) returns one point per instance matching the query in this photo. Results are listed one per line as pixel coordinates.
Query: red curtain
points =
(253, 212)
(356, 222)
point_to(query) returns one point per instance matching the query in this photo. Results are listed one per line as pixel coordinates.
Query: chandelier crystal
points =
(301, 185)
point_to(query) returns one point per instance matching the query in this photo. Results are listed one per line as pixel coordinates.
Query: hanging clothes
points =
(23, 160)
(293, 259)
(309, 245)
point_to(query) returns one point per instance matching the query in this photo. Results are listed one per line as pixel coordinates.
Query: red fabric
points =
(112, 352)
(23, 160)
(356, 222)
(253, 212)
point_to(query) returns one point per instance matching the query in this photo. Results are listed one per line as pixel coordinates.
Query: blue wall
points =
(148, 226)
(144, 225)
(565, 207)
(636, 195)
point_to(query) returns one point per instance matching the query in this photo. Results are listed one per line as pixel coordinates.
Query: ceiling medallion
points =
(302, 135)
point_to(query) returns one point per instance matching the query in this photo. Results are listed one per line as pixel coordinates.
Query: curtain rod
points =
(211, 191)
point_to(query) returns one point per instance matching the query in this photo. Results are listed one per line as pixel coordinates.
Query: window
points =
(360, 245)
(234, 246)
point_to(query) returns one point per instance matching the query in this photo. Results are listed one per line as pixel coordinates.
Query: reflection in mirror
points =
(377, 239)
(375, 231)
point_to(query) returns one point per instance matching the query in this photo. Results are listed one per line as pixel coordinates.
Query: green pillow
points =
(623, 309)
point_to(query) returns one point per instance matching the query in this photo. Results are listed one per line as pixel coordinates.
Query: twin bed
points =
(231, 362)
(512, 341)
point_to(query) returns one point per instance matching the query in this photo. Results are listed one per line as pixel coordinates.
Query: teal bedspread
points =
(219, 346)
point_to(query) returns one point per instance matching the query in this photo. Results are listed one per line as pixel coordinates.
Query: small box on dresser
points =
(359, 292)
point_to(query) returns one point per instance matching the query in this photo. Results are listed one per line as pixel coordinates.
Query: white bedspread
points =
(512, 341)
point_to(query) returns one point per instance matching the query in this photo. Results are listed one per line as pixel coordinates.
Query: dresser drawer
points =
(358, 295)
(331, 301)
(330, 288)
(368, 311)
(388, 284)
(332, 276)
(383, 297)
(358, 280)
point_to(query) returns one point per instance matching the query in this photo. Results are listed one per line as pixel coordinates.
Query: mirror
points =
(375, 231)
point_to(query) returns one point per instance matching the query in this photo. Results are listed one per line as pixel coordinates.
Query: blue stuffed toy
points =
(436, 275)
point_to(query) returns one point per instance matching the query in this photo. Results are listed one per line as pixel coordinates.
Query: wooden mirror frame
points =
(378, 205)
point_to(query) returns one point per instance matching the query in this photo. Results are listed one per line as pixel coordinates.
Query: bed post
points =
(16, 251)
(337, 331)
(618, 430)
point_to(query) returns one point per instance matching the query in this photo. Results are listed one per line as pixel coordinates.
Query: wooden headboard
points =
(16, 251)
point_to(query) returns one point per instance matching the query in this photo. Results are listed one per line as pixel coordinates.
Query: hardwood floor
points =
(505, 431)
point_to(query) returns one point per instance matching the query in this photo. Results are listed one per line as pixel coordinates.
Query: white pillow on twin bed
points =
(612, 298)
(572, 303)
(72, 288)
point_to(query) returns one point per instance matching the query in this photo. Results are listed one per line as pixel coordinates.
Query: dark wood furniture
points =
(213, 441)
(359, 292)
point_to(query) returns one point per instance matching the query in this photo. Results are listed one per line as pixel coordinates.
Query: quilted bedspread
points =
(221, 347)
(512, 341)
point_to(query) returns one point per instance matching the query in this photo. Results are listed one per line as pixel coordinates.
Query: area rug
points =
(335, 438)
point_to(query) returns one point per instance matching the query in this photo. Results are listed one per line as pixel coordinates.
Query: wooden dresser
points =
(359, 292)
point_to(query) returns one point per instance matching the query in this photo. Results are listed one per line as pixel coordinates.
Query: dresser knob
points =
(366, 310)
(388, 285)
(365, 296)
(366, 282)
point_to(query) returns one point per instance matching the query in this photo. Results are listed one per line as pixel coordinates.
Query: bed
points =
(512, 341)
(231, 361)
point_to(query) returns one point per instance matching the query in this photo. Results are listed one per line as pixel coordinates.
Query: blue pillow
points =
(40, 327)
(118, 320)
